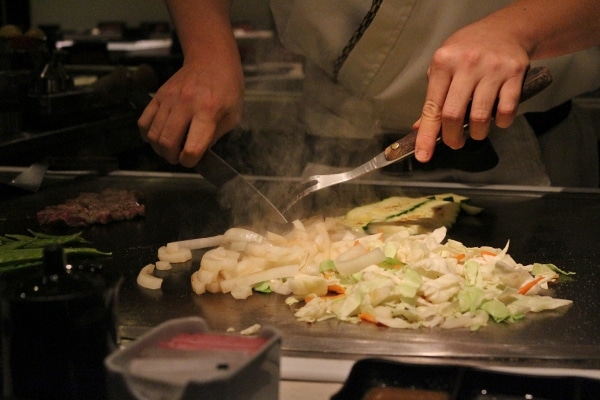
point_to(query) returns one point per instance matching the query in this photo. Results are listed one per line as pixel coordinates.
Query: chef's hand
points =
(475, 63)
(203, 100)
(196, 106)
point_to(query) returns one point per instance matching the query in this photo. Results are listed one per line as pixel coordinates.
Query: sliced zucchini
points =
(432, 214)
(421, 213)
(360, 217)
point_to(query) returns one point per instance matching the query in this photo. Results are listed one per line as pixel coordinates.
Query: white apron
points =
(378, 85)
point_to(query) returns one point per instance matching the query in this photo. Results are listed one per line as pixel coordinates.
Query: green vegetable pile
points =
(23, 251)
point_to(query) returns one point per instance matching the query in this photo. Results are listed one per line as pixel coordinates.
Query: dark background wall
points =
(15, 12)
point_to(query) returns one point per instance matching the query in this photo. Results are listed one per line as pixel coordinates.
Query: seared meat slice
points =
(95, 208)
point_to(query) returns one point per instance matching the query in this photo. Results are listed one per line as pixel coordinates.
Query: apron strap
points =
(337, 64)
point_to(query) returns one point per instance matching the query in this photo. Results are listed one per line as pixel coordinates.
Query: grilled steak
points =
(95, 208)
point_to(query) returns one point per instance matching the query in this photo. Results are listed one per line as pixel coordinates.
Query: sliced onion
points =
(206, 277)
(279, 287)
(172, 247)
(219, 258)
(285, 271)
(163, 265)
(357, 264)
(229, 264)
(209, 264)
(197, 286)
(352, 253)
(200, 243)
(227, 285)
(257, 249)
(286, 255)
(213, 287)
(242, 235)
(237, 246)
(249, 265)
(275, 238)
(251, 330)
(147, 280)
(180, 256)
(241, 292)
(227, 274)
(302, 285)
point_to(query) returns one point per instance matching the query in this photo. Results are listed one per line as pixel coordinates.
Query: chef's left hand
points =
(203, 100)
(191, 110)
(475, 64)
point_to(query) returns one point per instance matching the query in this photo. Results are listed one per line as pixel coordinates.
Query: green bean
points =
(20, 266)
(41, 243)
(20, 251)
(18, 256)
(16, 244)
(19, 237)
(72, 237)
(39, 240)
(4, 240)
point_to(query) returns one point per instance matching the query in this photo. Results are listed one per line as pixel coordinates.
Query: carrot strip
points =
(310, 297)
(529, 285)
(367, 318)
(460, 257)
(332, 296)
(336, 289)
(487, 253)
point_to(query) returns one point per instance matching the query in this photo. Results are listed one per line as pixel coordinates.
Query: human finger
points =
(430, 122)
(173, 135)
(200, 134)
(508, 102)
(454, 110)
(206, 129)
(152, 130)
(144, 122)
(481, 109)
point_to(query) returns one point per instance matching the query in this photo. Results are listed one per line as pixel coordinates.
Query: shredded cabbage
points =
(397, 279)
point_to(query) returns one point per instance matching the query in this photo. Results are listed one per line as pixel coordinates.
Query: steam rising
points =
(274, 150)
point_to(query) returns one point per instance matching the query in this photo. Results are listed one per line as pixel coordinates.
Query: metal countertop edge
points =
(362, 181)
(377, 182)
(337, 370)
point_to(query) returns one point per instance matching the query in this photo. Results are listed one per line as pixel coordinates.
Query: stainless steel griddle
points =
(557, 226)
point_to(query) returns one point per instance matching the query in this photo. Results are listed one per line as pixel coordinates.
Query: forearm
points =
(549, 28)
(203, 28)
(203, 99)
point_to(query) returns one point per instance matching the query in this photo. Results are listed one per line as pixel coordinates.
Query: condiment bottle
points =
(54, 78)
(57, 329)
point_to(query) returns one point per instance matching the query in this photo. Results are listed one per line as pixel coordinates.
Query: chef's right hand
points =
(478, 64)
(198, 104)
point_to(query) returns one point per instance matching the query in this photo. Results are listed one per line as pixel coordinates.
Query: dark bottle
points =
(54, 77)
(57, 328)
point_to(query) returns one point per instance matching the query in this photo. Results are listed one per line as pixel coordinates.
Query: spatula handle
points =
(536, 80)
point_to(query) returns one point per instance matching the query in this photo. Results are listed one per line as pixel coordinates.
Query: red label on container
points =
(202, 341)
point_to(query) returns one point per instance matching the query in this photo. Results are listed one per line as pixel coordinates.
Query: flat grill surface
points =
(543, 226)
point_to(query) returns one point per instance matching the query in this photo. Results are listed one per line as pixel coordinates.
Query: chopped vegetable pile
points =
(399, 275)
(22, 251)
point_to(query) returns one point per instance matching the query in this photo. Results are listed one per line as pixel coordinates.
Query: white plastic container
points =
(181, 359)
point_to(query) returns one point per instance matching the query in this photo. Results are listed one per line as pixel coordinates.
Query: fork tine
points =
(318, 182)
(305, 187)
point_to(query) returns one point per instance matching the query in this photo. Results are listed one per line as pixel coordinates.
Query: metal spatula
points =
(235, 191)
(536, 80)
(30, 179)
